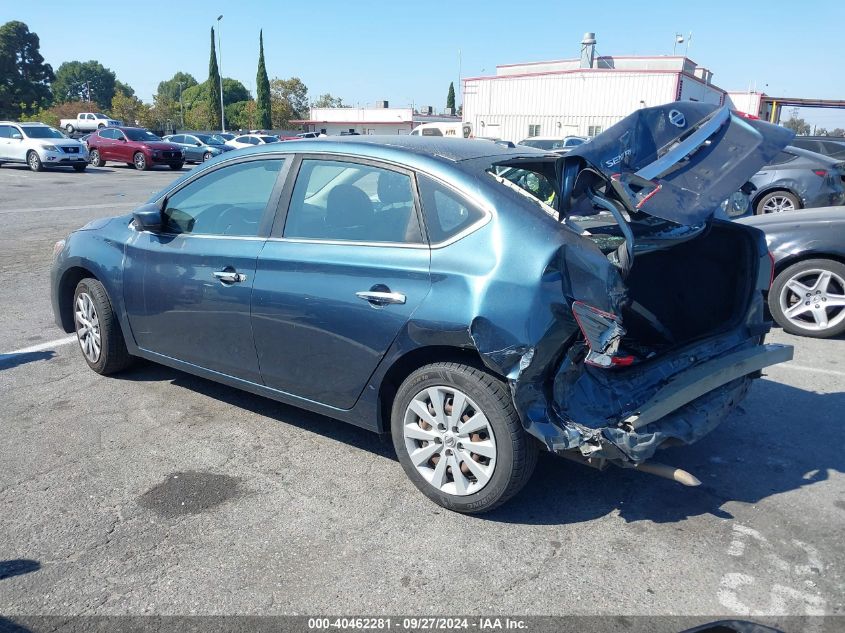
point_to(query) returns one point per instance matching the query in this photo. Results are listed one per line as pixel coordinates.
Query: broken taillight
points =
(603, 332)
(821, 173)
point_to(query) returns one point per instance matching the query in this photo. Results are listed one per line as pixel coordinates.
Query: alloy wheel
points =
(87, 327)
(814, 299)
(778, 204)
(34, 161)
(140, 161)
(449, 440)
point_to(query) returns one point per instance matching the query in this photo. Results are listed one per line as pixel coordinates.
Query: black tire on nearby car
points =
(80, 167)
(140, 161)
(97, 329)
(95, 159)
(777, 202)
(101, 126)
(176, 166)
(487, 420)
(207, 156)
(70, 130)
(808, 298)
(34, 161)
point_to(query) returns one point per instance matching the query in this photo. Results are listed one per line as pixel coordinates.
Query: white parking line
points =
(44, 346)
(815, 370)
(116, 205)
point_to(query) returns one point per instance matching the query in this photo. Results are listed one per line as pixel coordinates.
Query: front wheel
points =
(459, 438)
(140, 161)
(176, 166)
(80, 167)
(808, 298)
(777, 202)
(207, 156)
(95, 159)
(34, 161)
(97, 329)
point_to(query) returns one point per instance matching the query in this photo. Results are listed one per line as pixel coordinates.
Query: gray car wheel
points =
(808, 298)
(140, 161)
(207, 156)
(459, 438)
(95, 159)
(778, 202)
(97, 329)
(34, 161)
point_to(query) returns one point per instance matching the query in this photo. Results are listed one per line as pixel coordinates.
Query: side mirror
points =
(198, 144)
(149, 217)
(17, 136)
(121, 139)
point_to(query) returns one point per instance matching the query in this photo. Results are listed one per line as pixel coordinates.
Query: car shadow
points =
(17, 567)
(742, 460)
(8, 361)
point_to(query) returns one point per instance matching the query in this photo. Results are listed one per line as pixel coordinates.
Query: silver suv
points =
(40, 146)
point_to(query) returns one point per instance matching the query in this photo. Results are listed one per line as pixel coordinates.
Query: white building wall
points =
(561, 104)
(748, 102)
(692, 90)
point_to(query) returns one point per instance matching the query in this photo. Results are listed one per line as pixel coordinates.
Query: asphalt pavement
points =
(158, 492)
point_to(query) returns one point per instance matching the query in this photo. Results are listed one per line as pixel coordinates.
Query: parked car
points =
(88, 122)
(808, 294)
(134, 146)
(84, 140)
(248, 140)
(797, 178)
(443, 128)
(198, 148)
(830, 146)
(308, 135)
(560, 145)
(401, 284)
(40, 146)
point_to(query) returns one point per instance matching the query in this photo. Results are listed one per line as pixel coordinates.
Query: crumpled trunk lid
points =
(677, 162)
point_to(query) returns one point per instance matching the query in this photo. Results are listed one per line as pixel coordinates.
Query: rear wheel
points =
(97, 329)
(808, 298)
(101, 126)
(34, 161)
(140, 161)
(777, 202)
(459, 438)
(95, 159)
(69, 129)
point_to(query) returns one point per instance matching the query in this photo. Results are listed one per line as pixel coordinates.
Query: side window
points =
(833, 148)
(227, 201)
(241, 139)
(446, 212)
(5, 131)
(431, 131)
(336, 200)
(781, 158)
(177, 139)
(107, 134)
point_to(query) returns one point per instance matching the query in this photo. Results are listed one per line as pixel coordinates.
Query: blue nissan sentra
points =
(477, 301)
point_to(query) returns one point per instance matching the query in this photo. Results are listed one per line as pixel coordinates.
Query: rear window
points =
(782, 158)
(446, 212)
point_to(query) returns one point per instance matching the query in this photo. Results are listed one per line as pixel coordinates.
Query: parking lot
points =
(159, 492)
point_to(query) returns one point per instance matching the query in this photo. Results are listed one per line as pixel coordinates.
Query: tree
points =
(66, 110)
(796, 124)
(243, 115)
(328, 101)
(169, 89)
(289, 98)
(24, 77)
(262, 89)
(126, 89)
(838, 131)
(128, 108)
(213, 99)
(450, 97)
(199, 95)
(84, 81)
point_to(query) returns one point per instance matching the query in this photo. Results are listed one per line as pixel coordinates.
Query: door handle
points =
(229, 276)
(381, 298)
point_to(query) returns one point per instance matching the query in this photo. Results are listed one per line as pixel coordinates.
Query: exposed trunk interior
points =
(690, 290)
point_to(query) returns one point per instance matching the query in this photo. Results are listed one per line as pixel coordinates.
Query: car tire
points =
(101, 126)
(97, 329)
(34, 161)
(79, 168)
(511, 454)
(70, 130)
(95, 159)
(777, 202)
(207, 156)
(176, 166)
(140, 161)
(799, 288)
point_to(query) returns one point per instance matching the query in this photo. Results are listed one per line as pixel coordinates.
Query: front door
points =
(188, 287)
(340, 281)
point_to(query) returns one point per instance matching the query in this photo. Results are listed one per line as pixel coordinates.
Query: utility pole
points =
(220, 70)
(181, 111)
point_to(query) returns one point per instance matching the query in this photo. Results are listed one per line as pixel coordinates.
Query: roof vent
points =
(588, 50)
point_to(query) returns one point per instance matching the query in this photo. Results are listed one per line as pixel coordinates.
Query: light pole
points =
(220, 70)
(181, 111)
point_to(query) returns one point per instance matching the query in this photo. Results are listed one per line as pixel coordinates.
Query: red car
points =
(133, 146)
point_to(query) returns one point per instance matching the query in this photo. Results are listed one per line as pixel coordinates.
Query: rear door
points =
(5, 142)
(343, 273)
(187, 288)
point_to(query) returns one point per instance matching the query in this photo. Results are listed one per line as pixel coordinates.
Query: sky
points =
(408, 52)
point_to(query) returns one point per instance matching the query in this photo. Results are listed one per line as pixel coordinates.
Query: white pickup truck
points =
(88, 122)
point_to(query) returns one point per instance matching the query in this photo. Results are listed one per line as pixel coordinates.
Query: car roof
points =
(444, 148)
(810, 155)
(29, 123)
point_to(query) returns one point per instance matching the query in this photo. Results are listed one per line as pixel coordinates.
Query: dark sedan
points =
(797, 178)
(134, 146)
(808, 293)
(428, 289)
(198, 148)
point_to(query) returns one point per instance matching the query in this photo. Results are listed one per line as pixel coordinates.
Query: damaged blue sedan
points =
(477, 302)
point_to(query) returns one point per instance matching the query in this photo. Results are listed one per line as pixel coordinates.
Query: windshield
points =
(140, 135)
(545, 143)
(223, 137)
(100, 116)
(41, 131)
(208, 139)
